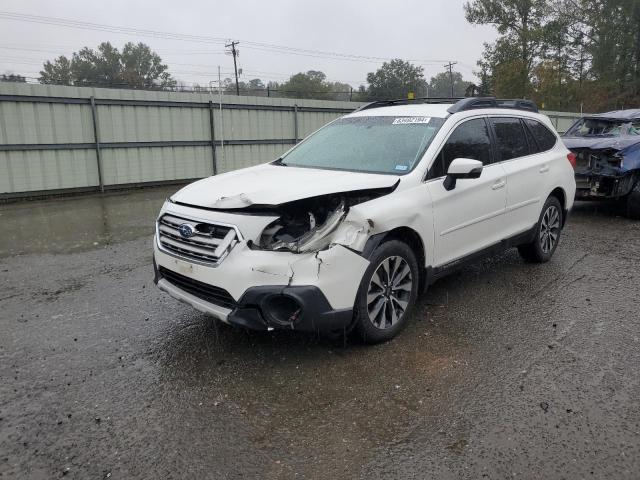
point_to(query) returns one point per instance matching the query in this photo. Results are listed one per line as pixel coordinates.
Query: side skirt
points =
(435, 273)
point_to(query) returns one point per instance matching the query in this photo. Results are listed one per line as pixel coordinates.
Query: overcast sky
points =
(427, 32)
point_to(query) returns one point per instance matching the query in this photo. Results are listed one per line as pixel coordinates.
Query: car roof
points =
(438, 110)
(630, 114)
(418, 109)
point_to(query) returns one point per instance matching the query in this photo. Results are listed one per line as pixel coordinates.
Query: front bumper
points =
(235, 289)
(252, 310)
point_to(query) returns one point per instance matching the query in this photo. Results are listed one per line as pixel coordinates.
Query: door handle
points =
(544, 169)
(498, 185)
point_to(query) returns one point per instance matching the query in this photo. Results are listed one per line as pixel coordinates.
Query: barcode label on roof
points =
(409, 120)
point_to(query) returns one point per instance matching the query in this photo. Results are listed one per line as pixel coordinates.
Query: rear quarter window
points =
(544, 137)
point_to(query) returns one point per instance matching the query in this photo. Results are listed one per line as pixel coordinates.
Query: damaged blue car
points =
(607, 157)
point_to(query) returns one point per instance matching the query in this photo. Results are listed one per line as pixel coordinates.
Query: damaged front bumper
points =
(264, 290)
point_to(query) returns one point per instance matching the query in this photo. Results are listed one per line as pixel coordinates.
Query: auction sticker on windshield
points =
(409, 120)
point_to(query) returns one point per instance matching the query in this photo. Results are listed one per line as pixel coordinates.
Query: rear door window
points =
(545, 138)
(510, 138)
(469, 140)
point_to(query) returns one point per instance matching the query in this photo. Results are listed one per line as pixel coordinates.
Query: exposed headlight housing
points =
(302, 235)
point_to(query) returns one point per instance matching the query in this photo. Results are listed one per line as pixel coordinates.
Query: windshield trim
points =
(368, 172)
(281, 161)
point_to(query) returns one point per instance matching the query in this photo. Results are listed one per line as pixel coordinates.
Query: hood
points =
(601, 143)
(274, 185)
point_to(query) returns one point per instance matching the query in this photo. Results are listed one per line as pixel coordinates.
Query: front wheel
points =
(547, 236)
(387, 292)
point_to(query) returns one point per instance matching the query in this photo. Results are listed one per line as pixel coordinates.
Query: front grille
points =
(208, 243)
(209, 293)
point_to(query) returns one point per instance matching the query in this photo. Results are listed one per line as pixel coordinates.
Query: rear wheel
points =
(387, 292)
(547, 236)
(633, 203)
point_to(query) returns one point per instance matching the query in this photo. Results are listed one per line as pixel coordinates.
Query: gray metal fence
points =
(55, 138)
(58, 139)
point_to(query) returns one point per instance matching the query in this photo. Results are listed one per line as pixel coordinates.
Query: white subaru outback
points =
(348, 227)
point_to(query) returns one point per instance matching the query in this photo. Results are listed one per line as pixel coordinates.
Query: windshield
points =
(367, 144)
(587, 127)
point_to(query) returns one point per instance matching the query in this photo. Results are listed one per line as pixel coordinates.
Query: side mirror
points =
(461, 168)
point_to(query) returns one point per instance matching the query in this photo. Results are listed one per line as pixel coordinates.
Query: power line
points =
(63, 22)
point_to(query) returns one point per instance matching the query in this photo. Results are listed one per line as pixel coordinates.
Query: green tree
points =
(12, 77)
(101, 67)
(395, 79)
(520, 24)
(440, 85)
(136, 66)
(340, 91)
(311, 84)
(254, 87)
(57, 72)
(143, 67)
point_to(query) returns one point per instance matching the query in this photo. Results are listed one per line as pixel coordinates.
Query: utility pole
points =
(235, 53)
(450, 67)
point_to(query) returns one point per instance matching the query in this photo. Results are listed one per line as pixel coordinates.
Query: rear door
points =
(469, 217)
(525, 167)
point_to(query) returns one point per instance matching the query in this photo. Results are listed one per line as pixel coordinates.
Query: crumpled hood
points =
(274, 185)
(601, 143)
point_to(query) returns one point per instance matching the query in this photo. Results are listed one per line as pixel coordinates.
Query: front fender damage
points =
(329, 269)
(315, 224)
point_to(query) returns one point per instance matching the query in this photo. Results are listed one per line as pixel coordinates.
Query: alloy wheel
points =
(549, 229)
(389, 292)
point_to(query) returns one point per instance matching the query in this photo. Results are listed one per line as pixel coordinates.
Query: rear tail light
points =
(573, 159)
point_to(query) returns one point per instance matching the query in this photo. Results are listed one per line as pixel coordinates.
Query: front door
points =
(471, 216)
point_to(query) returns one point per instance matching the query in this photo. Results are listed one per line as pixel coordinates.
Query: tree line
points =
(394, 79)
(565, 54)
(137, 66)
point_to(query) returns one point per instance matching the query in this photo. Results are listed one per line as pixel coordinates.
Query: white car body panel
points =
(244, 268)
(274, 185)
(469, 217)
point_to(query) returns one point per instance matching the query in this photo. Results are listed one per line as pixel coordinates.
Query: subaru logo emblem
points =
(186, 230)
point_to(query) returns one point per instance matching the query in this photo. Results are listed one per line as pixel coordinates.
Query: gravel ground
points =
(507, 370)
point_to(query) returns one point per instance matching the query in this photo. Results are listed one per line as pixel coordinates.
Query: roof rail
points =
(459, 104)
(406, 101)
(472, 103)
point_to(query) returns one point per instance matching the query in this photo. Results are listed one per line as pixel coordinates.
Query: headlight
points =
(302, 234)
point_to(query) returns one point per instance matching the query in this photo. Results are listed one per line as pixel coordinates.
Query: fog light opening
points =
(283, 310)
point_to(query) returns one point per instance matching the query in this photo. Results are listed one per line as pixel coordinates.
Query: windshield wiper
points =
(279, 162)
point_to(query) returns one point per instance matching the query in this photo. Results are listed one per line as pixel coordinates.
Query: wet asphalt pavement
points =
(507, 370)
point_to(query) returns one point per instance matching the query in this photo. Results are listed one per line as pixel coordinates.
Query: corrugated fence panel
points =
(147, 124)
(25, 122)
(562, 120)
(155, 164)
(254, 124)
(309, 122)
(26, 171)
(47, 137)
(242, 156)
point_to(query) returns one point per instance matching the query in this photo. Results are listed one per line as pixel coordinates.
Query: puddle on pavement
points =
(77, 224)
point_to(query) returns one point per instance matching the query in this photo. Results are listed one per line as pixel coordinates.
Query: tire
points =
(633, 203)
(547, 237)
(381, 311)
